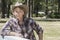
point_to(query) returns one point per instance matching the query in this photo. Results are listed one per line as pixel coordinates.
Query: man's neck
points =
(21, 20)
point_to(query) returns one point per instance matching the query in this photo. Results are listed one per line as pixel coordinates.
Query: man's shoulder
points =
(30, 20)
(11, 20)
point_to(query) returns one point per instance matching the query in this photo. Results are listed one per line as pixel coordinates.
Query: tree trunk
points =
(58, 6)
(8, 10)
(3, 8)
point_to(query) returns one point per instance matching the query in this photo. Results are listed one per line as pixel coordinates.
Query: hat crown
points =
(18, 4)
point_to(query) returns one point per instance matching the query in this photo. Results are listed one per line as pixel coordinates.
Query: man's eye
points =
(17, 12)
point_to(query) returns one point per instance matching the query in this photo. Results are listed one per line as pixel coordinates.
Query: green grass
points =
(2, 20)
(51, 29)
(1, 24)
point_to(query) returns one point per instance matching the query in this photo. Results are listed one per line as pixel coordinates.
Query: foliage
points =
(41, 15)
(39, 5)
(54, 15)
(14, 1)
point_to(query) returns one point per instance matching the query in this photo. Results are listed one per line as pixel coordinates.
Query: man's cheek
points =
(15, 14)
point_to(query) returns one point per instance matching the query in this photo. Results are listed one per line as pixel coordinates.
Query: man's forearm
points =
(15, 34)
(41, 36)
(12, 33)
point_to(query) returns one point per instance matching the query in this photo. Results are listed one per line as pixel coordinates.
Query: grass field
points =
(51, 30)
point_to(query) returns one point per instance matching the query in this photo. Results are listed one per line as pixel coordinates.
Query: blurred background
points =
(45, 12)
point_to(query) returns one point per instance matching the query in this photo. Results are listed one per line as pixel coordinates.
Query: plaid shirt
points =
(25, 29)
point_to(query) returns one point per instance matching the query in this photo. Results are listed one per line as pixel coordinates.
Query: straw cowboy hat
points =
(21, 6)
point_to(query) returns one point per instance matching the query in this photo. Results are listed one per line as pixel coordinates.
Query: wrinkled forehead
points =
(17, 9)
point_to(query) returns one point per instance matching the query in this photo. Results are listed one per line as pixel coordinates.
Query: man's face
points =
(18, 13)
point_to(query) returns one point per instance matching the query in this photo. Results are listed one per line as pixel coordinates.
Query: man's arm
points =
(39, 31)
(41, 35)
(37, 28)
(5, 29)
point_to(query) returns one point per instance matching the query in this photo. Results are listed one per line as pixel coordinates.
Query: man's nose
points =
(15, 13)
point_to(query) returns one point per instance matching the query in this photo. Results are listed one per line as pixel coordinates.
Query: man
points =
(20, 25)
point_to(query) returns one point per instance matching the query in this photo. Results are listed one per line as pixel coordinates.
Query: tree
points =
(37, 6)
(58, 6)
(3, 8)
(9, 2)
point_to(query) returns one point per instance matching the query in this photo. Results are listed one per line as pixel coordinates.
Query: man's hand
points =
(15, 34)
